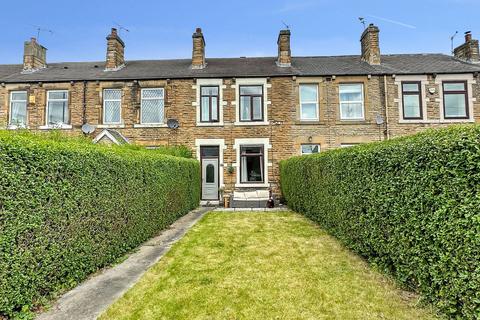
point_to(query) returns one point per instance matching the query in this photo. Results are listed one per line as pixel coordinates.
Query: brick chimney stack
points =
(468, 51)
(198, 52)
(284, 53)
(115, 52)
(370, 45)
(34, 56)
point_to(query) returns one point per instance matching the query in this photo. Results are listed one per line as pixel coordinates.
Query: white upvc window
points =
(57, 108)
(152, 109)
(310, 148)
(18, 109)
(351, 101)
(308, 102)
(112, 106)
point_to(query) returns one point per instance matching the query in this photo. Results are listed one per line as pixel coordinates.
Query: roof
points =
(240, 67)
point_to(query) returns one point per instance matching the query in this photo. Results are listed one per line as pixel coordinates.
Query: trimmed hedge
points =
(68, 208)
(411, 206)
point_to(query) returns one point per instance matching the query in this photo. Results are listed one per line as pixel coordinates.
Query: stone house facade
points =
(241, 116)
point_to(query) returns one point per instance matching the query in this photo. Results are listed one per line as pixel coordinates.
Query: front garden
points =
(258, 265)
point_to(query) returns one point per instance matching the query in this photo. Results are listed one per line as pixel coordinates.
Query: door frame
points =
(218, 172)
(213, 143)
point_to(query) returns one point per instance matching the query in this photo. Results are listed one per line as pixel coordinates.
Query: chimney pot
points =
(115, 52)
(371, 45)
(468, 51)
(198, 51)
(284, 58)
(468, 36)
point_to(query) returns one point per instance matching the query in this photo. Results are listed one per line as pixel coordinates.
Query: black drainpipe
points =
(84, 102)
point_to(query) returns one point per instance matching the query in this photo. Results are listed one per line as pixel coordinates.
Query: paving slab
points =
(94, 295)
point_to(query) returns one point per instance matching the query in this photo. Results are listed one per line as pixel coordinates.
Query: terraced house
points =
(242, 115)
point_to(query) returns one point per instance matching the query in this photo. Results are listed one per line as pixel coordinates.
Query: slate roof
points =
(241, 67)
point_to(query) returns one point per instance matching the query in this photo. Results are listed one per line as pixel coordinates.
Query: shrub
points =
(68, 208)
(411, 206)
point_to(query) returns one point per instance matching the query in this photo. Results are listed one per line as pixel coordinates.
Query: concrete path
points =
(94, 295)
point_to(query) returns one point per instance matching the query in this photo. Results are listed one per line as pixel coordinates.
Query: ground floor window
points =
(310, 148)
(251, 164)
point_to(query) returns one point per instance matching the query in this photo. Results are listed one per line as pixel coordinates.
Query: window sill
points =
(310, 122)
(62, 127)
(437, 121)
(15, 127)
(209, 124)
(354, 122)
(150, 125)
(252, 185)
(111, 126)
(252, 123)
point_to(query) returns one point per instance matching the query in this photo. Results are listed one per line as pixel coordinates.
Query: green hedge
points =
(410, 205)
(68, 208)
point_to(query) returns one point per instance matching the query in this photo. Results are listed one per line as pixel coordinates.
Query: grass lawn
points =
(263, 266)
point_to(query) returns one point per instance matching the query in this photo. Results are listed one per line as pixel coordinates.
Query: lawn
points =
(263, 266)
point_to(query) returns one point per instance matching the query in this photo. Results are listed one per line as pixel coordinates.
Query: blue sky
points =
(163, 29)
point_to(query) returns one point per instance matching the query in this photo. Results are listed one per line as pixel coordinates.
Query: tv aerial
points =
(120, 27)
(362, 21)
(451, 39)
(41, 29)
(286, 25)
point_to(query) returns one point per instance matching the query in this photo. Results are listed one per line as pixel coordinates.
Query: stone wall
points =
(285, 131)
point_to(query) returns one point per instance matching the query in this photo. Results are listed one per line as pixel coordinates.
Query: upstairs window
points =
(152, 106)
(308, 102)
(209, 103)
(112, 106)
(351, 101)
(310, 148)
(57, 107)
(251, 103)
(412, 100)
(251, 164)
(455, 104)
(18, 108)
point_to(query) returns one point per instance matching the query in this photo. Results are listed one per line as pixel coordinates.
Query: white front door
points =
(210, 179)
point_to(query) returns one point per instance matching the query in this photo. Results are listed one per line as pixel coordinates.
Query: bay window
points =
(57, 107)
(455, 104)
(251, 164)
(251, 103)
(308, 102)
(412, 100)
(152, 106)
(18, 108)
(351, 101)
(112, 106)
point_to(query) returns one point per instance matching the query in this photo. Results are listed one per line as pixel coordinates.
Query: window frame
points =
(464, 92)
(67, 113)
(210, 104)
(309, 144)
(240, 95)
(419, 93)
(141, 105)
(262, 162)
(105, 100)
(10, 108)
(362, 85)
(317, 116)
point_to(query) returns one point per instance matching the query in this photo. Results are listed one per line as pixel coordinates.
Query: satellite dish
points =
(379, 119)
(87, 128)
(172, 123)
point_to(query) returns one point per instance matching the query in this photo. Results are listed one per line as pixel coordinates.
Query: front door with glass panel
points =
(210, 170)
